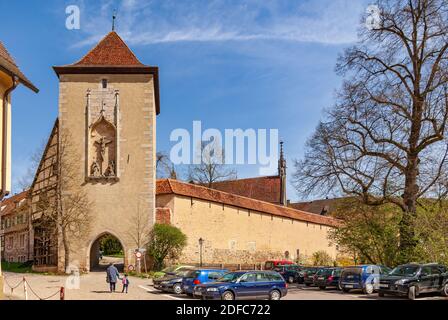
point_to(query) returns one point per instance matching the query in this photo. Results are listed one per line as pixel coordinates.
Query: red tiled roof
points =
(320, 206)
(112, 56)
(8, 64)
(110, 51)
(168, 186)
(261, 188)
(9, 204)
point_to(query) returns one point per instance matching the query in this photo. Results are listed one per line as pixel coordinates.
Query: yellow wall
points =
(5, 84)
(256, 236)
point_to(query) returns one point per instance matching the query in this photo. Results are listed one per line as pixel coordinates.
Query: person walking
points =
(112, 275)
(125, 283)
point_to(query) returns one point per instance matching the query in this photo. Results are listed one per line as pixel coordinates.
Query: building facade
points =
(16, 232)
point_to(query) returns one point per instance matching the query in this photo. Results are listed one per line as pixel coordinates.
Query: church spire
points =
(282, 175)
(114, 16)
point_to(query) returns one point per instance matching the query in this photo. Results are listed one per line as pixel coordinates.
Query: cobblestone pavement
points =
(93, 286)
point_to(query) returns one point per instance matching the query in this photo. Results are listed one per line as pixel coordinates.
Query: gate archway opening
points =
(106, 249)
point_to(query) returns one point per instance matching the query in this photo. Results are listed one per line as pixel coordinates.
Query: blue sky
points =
(229, 63)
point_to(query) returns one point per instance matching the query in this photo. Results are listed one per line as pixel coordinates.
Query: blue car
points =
(364, 277)
(244, 285)
(198, 276)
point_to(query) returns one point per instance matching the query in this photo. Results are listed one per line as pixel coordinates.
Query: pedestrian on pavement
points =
(125, 283)
(112, 275)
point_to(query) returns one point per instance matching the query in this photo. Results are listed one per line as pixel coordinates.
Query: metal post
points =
(25, 291)
(201, 242)
(62, 294)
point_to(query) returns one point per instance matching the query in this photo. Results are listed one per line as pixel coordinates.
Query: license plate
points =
(348, 286)
(198, 293)
(383, 285)
(186, 287)
(321, 278)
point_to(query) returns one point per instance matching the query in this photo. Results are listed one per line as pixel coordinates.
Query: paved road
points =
(93, 286)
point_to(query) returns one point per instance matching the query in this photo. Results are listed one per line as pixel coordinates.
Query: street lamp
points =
(201, 242)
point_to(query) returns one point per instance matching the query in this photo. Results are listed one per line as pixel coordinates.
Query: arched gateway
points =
(105, 249)
(108, 102)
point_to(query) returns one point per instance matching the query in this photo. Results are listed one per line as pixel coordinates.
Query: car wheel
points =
(411, 293)
(177, 288)
(368, 289)
(445, 290)
(380, 294)
(345, 290)
(322, 288)
(275, 295)
(308, 284)
(291, 279)
(339, 287)
(228, 295)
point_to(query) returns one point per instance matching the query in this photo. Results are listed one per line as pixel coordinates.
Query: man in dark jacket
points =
(112, 276)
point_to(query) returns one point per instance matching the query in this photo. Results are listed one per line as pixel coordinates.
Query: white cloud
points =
(149, 22)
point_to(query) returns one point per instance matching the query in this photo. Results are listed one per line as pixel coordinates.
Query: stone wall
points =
(239, 236)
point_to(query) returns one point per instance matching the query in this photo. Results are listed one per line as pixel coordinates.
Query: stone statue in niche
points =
(110, 171)
(102, 149)
(95, 169)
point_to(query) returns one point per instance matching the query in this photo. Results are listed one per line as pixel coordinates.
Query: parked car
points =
(244, 285)
(363, 277)
(327, 277)
(171, 270)
(291, 272)
(272, 264)
(308, 275)
(198, 276)
(412, 279)
(171, 282)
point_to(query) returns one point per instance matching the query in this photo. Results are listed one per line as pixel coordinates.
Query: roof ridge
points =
(310, 214)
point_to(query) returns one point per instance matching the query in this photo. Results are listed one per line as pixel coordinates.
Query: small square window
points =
(104, 83)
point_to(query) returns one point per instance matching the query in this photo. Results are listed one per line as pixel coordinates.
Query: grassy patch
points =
(115, 255)
(16, 267)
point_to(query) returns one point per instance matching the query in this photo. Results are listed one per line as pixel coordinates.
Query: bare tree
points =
(26, 180)
(212, 167)
(385, 139)
(165, 168)
(64, 208)
(140, 227)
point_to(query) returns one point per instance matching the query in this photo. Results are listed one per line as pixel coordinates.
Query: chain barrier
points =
(27, 285)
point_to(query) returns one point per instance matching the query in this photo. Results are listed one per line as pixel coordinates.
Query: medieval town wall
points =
(239, 236)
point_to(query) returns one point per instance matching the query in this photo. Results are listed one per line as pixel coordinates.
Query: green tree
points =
(321, 258)
(369, 233)
(110, 245)
(431, 230)
(165, 241)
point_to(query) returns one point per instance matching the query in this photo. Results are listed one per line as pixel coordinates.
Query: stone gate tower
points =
(108, 102)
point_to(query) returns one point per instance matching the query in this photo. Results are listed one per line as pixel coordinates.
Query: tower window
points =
(104, 83)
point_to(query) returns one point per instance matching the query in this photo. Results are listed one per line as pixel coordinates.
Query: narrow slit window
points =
(104, 83)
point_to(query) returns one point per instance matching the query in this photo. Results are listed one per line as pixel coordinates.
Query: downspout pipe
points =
(15, 83)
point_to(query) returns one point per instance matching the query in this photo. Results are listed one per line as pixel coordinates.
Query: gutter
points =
(15, 83)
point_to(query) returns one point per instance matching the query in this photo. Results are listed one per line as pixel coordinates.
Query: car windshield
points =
(169, 269)
(182, 272)
(229, 277)
(404, 271)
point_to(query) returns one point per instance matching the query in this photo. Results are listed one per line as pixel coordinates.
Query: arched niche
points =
(102, 149)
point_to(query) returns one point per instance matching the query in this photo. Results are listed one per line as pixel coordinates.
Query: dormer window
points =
(104, 83)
